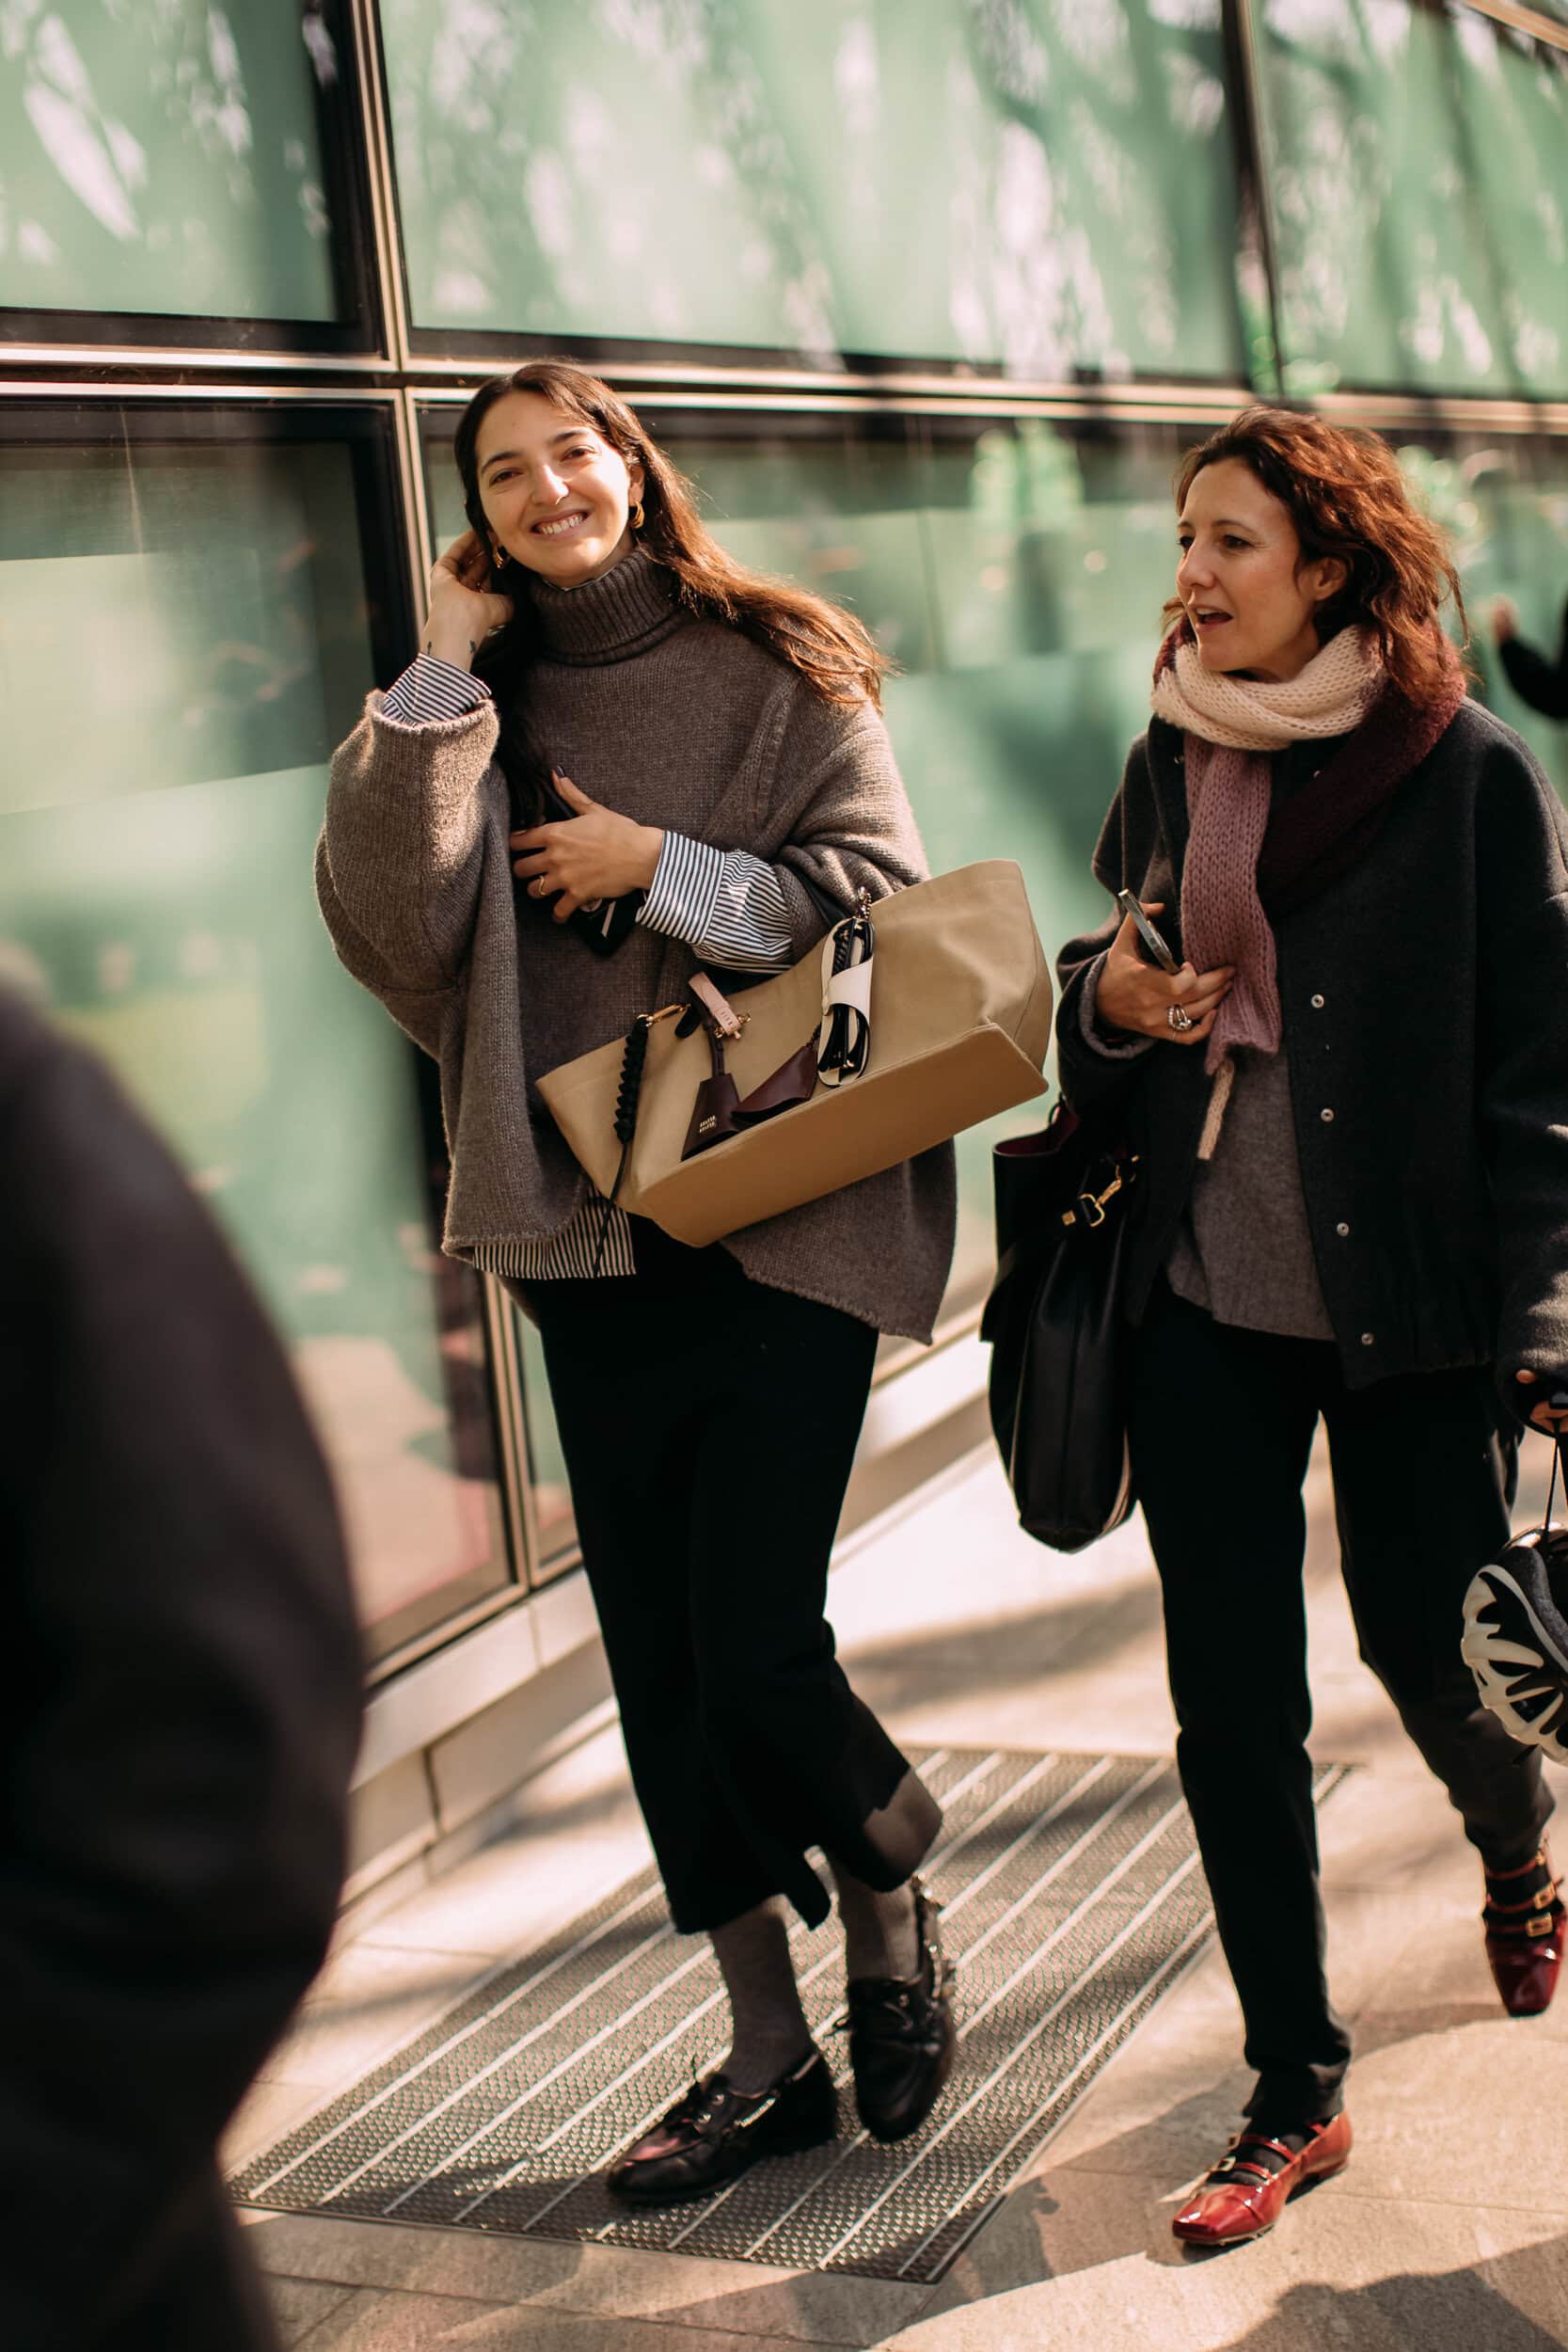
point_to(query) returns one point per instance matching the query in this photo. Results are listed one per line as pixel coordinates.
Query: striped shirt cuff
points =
(726, 903)
(572, 1254)
(431, 689)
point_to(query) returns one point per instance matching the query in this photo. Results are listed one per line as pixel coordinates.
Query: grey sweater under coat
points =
(672, 720)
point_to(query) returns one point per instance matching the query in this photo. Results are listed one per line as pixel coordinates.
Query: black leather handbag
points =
(1054, 1321)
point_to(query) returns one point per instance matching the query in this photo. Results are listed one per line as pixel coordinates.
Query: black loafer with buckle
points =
(902, 2037)
(717, 2132)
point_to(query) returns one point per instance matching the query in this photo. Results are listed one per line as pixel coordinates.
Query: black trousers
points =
(1221, 1425)
(710, 1424)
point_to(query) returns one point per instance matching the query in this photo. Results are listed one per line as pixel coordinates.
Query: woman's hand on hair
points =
(1136, 997)
(595, 854)
(464, 609)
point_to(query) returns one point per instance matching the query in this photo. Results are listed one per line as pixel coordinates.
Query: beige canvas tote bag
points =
(961, 1021)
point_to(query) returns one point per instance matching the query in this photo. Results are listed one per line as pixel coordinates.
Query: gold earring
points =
(637, 516)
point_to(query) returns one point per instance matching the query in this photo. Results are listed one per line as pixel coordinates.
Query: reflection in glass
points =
(1419, 177)
(554, 1522)
(164, 155)
(1504, 503)
(185, 637)
(1033, 181)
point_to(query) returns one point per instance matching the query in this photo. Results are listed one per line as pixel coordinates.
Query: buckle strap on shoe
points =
(1543, 1898)
(1235, 2165)
(1531, 1930)
(1539, 1860)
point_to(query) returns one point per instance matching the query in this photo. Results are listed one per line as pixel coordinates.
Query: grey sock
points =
(770, 2029)
(880, 1938)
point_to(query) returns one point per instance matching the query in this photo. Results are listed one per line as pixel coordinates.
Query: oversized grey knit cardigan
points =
(673, 721)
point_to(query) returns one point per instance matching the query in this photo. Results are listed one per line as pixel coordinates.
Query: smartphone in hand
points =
(602, 924)
(1153, 946)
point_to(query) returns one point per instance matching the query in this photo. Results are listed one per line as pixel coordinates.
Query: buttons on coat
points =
(1369, 1339)
(1318, 1003)
(1327, 1117)
(1343, 1232)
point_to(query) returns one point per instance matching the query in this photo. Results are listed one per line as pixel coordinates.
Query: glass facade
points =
(927, 302)
(1419, 176)
(169, 156)
(185, 601)
(737, 173)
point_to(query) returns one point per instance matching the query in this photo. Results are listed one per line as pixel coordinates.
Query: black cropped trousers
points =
(709, 1423)
(1221, 1427)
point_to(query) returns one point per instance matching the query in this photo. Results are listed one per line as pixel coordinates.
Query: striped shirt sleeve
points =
(432, 688)
(726, 903)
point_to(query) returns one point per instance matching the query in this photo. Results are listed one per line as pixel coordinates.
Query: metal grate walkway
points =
(1073, 1899)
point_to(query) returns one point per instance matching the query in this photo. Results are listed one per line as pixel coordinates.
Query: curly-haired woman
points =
(1354, 1201)
(720, 769)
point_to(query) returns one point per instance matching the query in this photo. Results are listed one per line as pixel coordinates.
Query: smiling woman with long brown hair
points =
(620, 757)
(1349, 1107)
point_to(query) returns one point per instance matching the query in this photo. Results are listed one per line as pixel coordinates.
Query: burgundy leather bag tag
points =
(719, 1111)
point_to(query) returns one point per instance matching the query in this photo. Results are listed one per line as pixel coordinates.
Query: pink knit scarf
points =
(1231, 725)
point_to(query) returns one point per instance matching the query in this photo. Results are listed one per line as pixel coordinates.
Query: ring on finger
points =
(537, 887)
(1180, 1018)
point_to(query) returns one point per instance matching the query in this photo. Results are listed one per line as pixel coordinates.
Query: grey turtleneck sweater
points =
(673, 721)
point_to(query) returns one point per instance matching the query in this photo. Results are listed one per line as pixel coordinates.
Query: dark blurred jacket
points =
(1421, 998)
(180, 1681)
(1536, 680)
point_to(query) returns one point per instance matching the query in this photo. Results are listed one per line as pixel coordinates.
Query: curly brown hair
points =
(1347, 498)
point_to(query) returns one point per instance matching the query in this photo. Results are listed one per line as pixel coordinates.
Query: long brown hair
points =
(828, 648)
(1347, 498)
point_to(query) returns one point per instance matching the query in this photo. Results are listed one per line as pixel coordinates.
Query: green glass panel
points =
(1037, 181)
(186, 637)
(164, 155)
(1419, 177)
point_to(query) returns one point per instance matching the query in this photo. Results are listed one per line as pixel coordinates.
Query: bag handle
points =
(634, 1053)
(844, 1039)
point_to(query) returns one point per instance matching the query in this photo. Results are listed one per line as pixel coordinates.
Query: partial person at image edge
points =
(1352, 1201)
(182, 1713)
(1534, 677)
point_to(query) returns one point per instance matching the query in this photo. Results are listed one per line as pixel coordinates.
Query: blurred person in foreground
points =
(182, 1709)
(1534, 677)
(1349, 1102)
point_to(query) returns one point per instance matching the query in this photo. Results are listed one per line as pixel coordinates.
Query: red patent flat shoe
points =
(1243, 2197)
(1525, 1939)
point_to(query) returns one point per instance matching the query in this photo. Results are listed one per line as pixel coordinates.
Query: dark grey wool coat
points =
(1424, 997)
